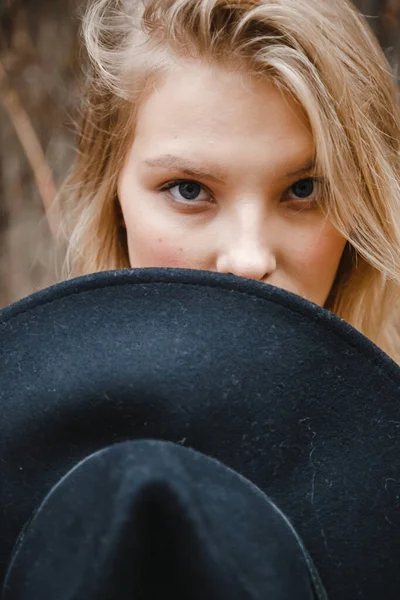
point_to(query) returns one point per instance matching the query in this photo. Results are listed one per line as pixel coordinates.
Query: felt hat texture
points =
(267, 384)
(150, 519)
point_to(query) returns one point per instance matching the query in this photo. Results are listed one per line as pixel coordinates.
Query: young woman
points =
(253, 137)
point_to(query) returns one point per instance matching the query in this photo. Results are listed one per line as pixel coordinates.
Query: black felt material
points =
(271, 385)
(149, 519)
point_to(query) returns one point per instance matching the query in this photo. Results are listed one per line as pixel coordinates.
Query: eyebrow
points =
(186, 166)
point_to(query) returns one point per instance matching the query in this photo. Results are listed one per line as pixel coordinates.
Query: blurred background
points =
(41, 70)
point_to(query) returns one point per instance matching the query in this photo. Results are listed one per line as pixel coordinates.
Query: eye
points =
(305, 189)
(186, 191)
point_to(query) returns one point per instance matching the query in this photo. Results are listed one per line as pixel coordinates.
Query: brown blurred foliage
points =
(40, 77)
(40, 74)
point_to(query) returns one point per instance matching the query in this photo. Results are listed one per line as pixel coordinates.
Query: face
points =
(218, 178)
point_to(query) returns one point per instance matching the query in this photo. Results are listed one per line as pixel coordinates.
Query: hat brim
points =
(280, 390)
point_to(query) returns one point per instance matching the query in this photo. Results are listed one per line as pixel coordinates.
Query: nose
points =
(255, 260)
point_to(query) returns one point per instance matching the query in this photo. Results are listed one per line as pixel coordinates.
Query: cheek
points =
(156, 252)
(152, 242)
(324, 253)
(316, 259)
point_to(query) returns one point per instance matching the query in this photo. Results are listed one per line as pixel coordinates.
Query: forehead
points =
(197, 104)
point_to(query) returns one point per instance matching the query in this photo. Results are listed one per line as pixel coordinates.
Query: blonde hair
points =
(323, 54)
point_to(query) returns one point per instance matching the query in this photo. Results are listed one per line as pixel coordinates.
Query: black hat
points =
(150, 519)
(267, 383)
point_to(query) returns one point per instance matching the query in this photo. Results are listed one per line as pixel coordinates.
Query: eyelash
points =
(171, 184)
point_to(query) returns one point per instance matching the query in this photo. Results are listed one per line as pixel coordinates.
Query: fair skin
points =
(249, 214)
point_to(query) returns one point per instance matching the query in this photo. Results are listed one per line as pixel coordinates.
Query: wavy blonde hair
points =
(323, 54)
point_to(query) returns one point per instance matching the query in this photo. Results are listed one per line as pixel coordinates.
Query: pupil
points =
(304, 188)
(189, 190)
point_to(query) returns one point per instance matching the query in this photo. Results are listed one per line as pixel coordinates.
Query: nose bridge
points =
(248, 249)
(250, 220)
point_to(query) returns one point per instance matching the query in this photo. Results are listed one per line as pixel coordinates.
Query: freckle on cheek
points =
(160, 254)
